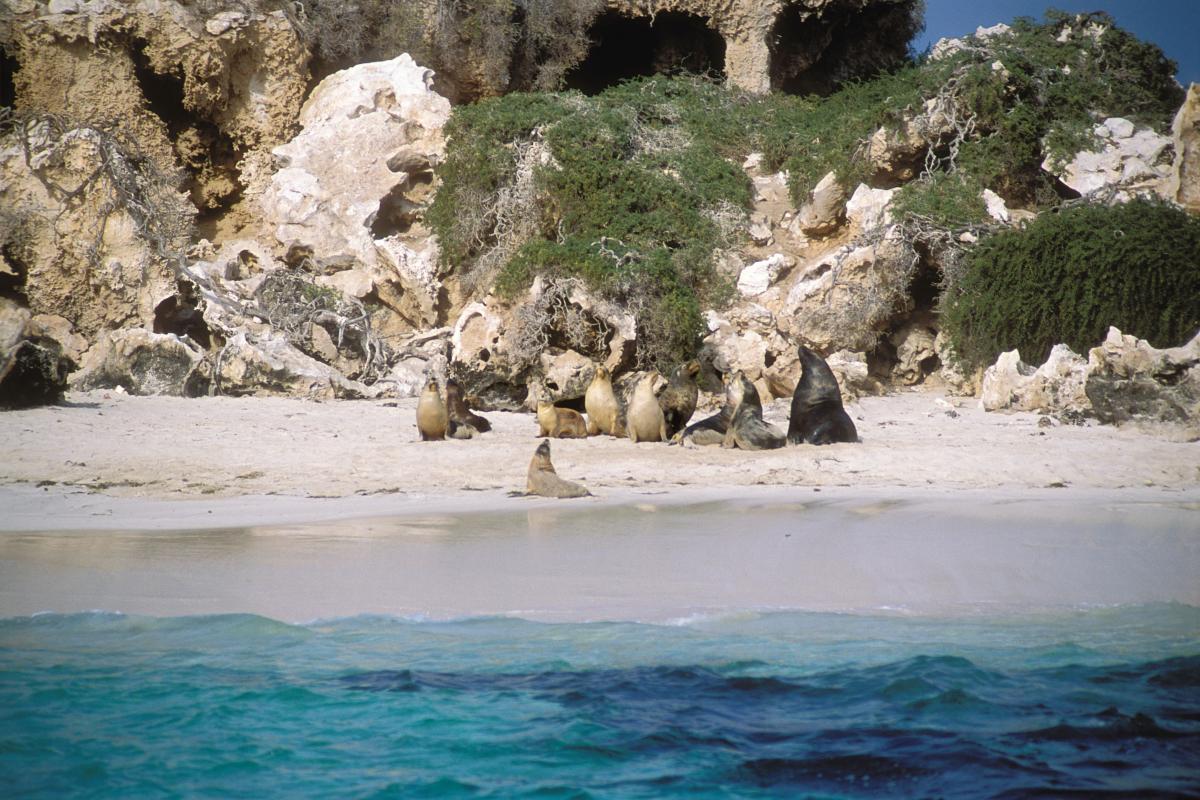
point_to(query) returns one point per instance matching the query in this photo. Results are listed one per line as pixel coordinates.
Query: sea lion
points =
(559, 423)
(644, 418)
(678, 400)
(817, 415)
(747, 430)
(708, 431)
(544, 481)
(460, 413)
(432, 418)
(600, 402)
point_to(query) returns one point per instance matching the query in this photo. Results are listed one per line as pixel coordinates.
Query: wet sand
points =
(644, 558)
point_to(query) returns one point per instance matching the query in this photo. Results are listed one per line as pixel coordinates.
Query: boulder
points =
(565, 375)
(868, 208)
(825, 209)
(33, 366)
(144, 363)
(758, 277)
(916, 353)
(353, 184)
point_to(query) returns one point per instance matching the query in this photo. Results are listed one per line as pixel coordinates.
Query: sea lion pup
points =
(747, 430)
(644, 418)
(600, 402)
(678, 400)
(817, 415)
(544, 481)
(460, 413)
(559, 423)
(432, 418)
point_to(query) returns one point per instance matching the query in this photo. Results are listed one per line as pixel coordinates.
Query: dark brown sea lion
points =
(460, 413)
(432, 418)
(708, 431)
(747, 430)
(678, 400)
(817, 415)
(542, 480)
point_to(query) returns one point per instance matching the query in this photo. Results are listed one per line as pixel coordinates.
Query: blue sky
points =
(1173, 25)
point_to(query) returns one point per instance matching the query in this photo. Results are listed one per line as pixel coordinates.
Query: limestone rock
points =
(1130, 162)
(353, 184)
(916, 353)
(144, 363)
(868, 208)
(565, 375)
(825, 209)
(1123, 379)
(1183, 186)
(1128, 379)
(254, 365)
(758, 277)
(996, 207)
(33, 366)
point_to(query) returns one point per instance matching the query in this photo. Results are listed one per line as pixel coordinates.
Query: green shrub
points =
(1068, 276)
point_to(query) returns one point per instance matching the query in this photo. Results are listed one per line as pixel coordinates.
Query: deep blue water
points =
(1098, 703)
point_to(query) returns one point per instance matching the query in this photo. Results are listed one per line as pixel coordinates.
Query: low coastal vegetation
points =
(1068, 276)
(638, 190)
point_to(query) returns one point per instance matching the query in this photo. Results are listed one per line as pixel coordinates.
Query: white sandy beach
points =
(300, 510)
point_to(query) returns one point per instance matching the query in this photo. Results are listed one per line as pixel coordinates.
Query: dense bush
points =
(1069, 275)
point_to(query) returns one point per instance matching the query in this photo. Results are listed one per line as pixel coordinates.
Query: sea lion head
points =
(691, 369)
(601, 373)
(734, 387)
(543, 451)
(817, 383)
(748, 390)
(454, 392)
(656, 381)
(431, 385)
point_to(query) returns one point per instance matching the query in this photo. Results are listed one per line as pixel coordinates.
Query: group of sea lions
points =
(658, 411)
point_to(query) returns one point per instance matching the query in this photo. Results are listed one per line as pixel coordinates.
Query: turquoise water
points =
(1092, 703)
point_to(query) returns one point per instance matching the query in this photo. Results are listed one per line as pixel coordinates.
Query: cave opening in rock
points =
(205, 151)
(13, 272)
(403, 206)
(180, 314)
(630, 47)
(814, 53)
(8, 86)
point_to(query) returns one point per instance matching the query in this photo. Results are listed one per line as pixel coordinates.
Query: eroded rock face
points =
(352, 186)
(269, 365)
(33, 366)
(1124, 379)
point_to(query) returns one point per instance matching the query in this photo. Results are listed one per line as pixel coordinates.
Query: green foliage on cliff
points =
(1068, 276)
(639, 190)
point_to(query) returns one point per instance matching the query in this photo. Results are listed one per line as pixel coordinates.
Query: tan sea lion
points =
(817, 414)
(460, 413)
(600, 402)
(432, 418)
(644, 417)
(559, 423)
(678, 400)
(544, 481)
(747, 429)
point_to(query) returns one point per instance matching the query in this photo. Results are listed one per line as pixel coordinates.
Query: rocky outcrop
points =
(1129, 163)
(1124, 379)
(352, 186)
(1183, 186)
(145, 363)
(33, 364)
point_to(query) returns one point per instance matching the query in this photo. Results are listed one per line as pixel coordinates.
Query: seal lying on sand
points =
(678, 400)
(708, 431)
(461, 415)
(432, 418)
(645, 418)
(600, 402)
(817, 415)
(747, 430)
(559, 423)
(544, 481)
